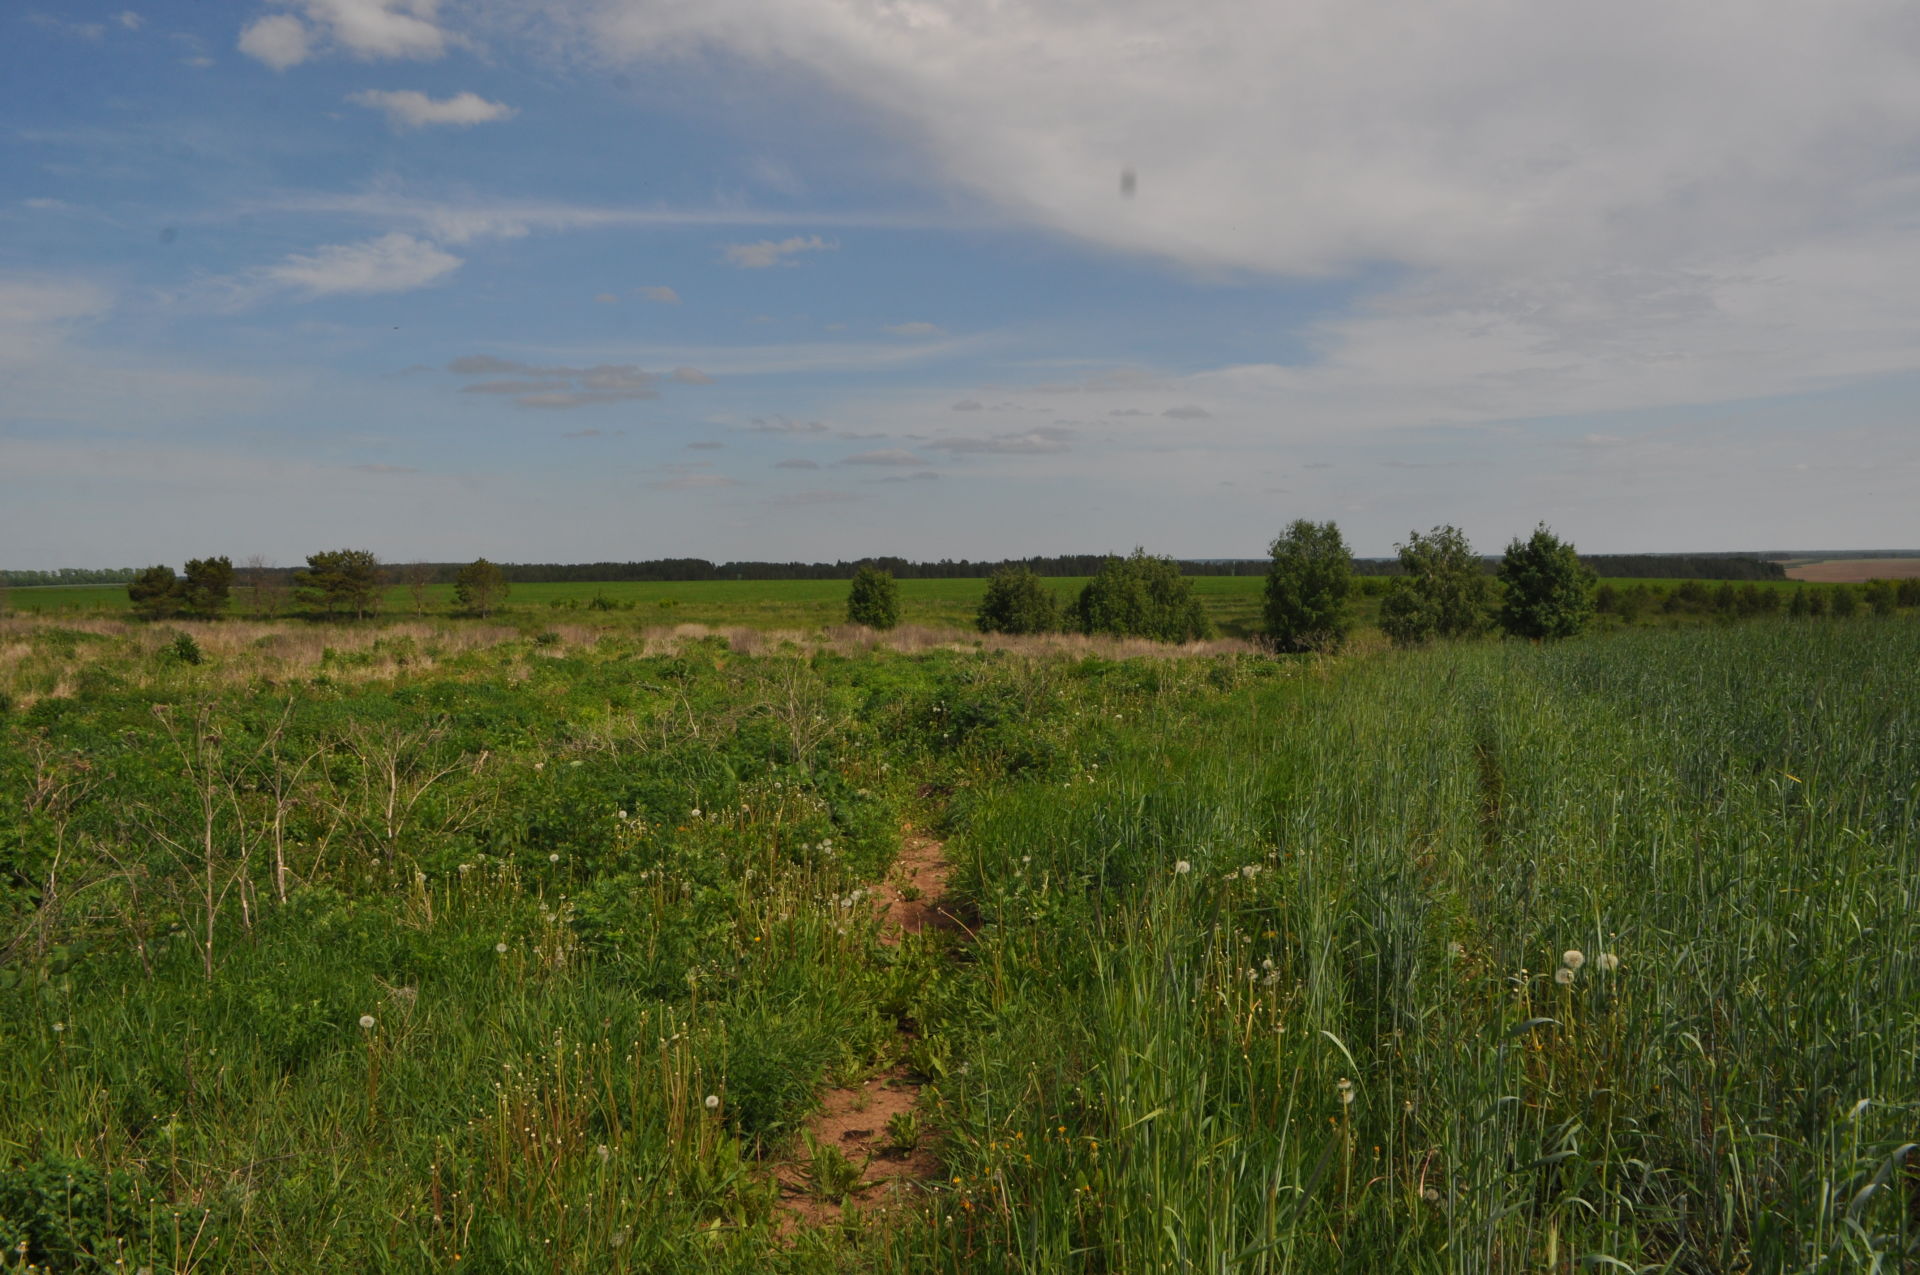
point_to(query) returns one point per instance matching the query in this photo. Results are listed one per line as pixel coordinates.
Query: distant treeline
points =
(1618, 566)
(68, 575)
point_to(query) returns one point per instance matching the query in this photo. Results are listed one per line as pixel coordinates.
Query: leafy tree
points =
(873, 599)
(479, 585)
(340, 580)
(1308, 587)
(1017, 602)
(1908, 592)
(1443, 592)
(1800, 606)
(1881, 596)
(1817, 603)
(1141, 596)
(208, 587)
(155, 592)
(266, 587)
(1843, 601)
(1548, 590)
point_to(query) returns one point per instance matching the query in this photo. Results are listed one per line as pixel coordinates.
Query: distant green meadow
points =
(1233, 602)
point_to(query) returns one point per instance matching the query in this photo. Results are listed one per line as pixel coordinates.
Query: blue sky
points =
(594, 279)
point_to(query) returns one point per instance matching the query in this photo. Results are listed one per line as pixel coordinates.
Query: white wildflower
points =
(1563, 976)
(1182, 868)
(553, 858)
(1573, 958)
(1345, 1089)
(366, 1022)
(500, 948)
(713, 1102)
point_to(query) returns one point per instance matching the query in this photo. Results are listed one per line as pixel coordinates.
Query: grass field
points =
(438, 946)
(1232, 601)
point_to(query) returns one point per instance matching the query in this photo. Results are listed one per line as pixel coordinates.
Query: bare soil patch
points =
(863, 1122)
(1853, 570)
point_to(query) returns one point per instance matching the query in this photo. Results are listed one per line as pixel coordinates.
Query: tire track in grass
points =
(857, 1152)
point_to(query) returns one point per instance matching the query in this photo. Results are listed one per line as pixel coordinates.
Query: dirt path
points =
(865, 1123)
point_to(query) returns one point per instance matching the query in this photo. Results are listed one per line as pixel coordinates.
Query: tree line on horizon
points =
(1674, 566)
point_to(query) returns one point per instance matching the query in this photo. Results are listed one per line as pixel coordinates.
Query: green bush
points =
(873, 599)
(1308, 587)
(1017, 602)
(1549, 591)
(1443, 593)
(183, 649)
(1141, 596)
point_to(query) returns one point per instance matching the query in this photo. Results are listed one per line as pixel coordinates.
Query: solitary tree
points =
(418, 577)
(479, 585)
(340, 580)
(1141, 596)
(1549, 591)
(1308, 586)
(1017, 602)
(266, 587)
(208, 587)
(155, 593)
(1443, 592)
(873, 599)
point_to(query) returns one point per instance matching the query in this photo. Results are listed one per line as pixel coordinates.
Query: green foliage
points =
(155, 593)
(873, 599)
(1548, 591)
(183, 649)
(60, 1213)
(480, 585)
(1017, 601)
(1144, 597)
(1308, 588)
(1843, 600)
(1443, 592)
(1881, 597)
(208, 587)
(340, 582)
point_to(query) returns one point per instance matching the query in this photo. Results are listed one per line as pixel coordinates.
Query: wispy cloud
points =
(1043, 440)
(796, 462)
(391, 263)
(408, 108)
(768, 252)
(556, 387)
(691, 376)
(891, 456)
(659, 292)
(695, 482)
(914, 329)
(364, 28)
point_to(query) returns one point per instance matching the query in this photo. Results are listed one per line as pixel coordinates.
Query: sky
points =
(580, 280)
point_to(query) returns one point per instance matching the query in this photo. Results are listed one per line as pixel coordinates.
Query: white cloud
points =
(767, 252)
(691, 376)
(391, 263)
(365, 28)
(659, 292)
(79, 30)
(914, 329)
(408, 108)
(1043, 440)
(280, 40)
(131, 20)
(556, 387)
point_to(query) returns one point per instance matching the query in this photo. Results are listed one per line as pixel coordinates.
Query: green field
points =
(1233, 602)
(1484, 957)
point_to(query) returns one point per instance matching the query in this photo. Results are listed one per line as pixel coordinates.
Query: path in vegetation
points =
(858, 1120)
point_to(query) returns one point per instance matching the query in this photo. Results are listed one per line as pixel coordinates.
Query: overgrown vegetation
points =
(1477, 957)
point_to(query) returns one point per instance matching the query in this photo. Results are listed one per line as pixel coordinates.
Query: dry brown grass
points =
(35, 665)
(1854, 570)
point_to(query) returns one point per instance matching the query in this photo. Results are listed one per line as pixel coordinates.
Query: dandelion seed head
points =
(366, 1022)
(59, 1027)
(1563, 976)
(1609, 962)
(500, 948)
(1182, 868)
(621, 813)
(553, 858)
(713, 1102)
(1573, 958)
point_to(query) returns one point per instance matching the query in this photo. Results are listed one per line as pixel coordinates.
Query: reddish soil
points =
(1852, 570)
(854, 1118)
